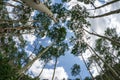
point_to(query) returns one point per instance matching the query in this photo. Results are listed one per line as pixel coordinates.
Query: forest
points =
(59, 40)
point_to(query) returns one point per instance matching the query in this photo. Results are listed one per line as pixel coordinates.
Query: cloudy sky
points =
(66, 62)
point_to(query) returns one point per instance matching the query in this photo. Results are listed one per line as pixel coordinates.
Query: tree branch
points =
(108, 3)
(106, 14)
(24, 69)
(112, 41)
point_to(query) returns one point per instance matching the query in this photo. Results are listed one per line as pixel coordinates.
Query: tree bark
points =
(41, 70)
(107, 77)
(108, 3)
(54, 68)
(98, 71)
(97, 60)
(87, 67)
(112, 70)
(40, 7)
(106, 14)
(31, 62)
(113, 41)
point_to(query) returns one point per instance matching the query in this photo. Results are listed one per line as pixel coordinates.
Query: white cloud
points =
(47, 73)
(29, 37)
(74, 2)
(86, 55)
(99, 25)
(51, 62)
(59, 74)
(94, 71)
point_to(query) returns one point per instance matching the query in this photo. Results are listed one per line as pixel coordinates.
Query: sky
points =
(65, 62)
(100, 24)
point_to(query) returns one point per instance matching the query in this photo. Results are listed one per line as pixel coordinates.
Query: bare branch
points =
(106, 14)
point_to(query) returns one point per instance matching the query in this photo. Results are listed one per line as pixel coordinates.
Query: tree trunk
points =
(108, 3)
(42, 70)
(97, 60)
(31, 62)
(111, 69)
(107, 77)
(106, 14)
(54, 68)
(113, 41)
(114, 55)
(87, 67)
(40, 7)
(98, 71)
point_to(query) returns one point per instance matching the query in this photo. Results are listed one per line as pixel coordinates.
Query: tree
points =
(75, 70)
(87, 67)
(54, 68)
(112, 40)
(31, 62)
(57, 52)
(79, 39)
(87, 78)
(20, 21)
(40, 7)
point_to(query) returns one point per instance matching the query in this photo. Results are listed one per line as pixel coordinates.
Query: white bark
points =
(40, 7)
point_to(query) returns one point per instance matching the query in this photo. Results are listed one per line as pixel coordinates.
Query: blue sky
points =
(65, 62)
(102, 1)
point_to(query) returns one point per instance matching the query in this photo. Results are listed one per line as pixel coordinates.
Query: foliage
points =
(75, 70)
(9, 72)
(87, 78)
(20, 21)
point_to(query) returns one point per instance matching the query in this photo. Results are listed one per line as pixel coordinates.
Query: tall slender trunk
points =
(112, 53)
(54, 68)
(107, 77)
(42, 70)
(106, 14)
(31, 62)
(26, 60)
(115, 57)
(98, 71)
(97, 60)
(111, 69)
(108, 3)
(87, 67)
(113, 63)
(113, 41)
(110, 74)
(40, 7)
